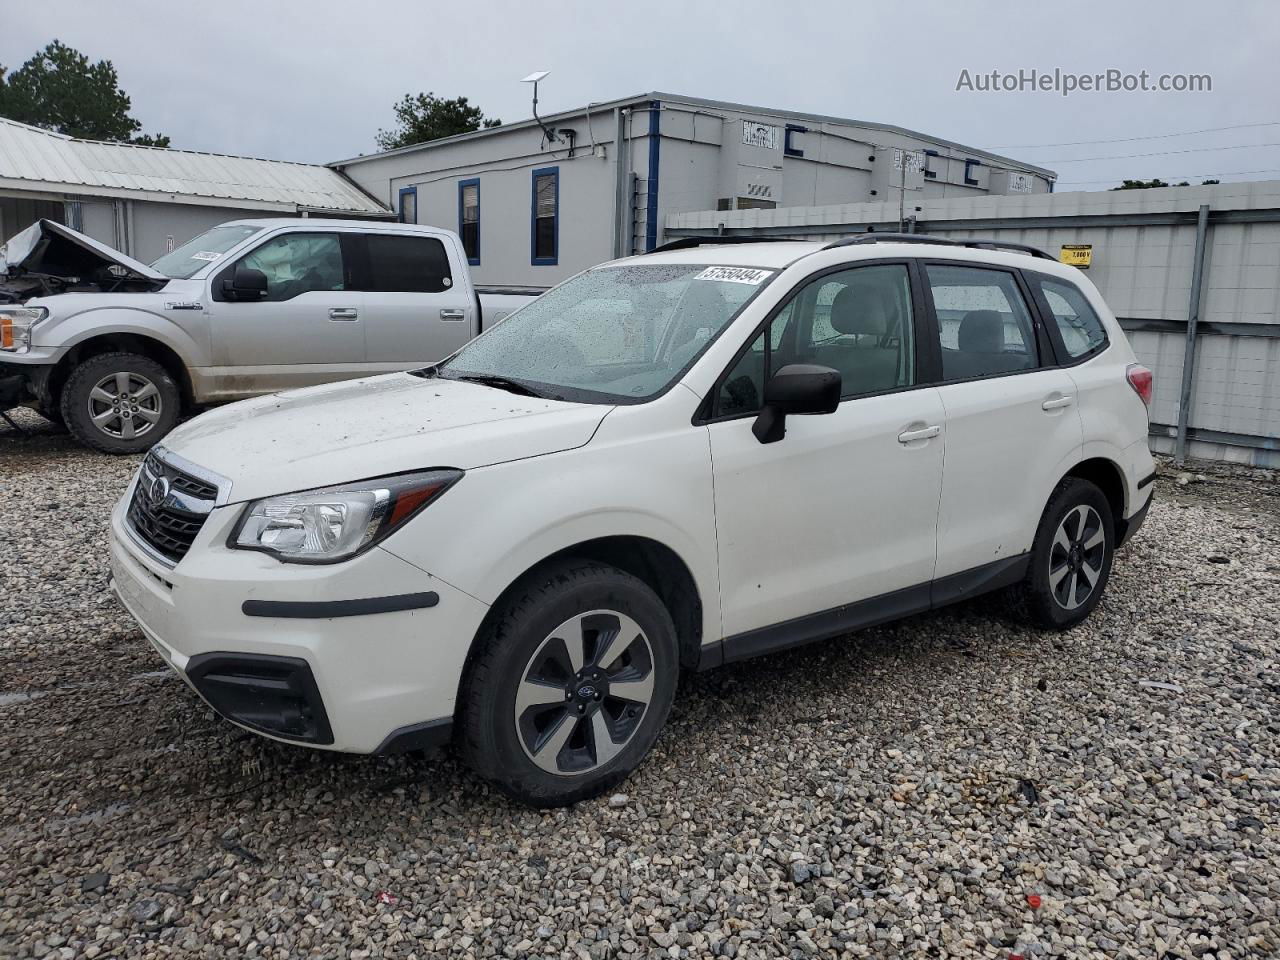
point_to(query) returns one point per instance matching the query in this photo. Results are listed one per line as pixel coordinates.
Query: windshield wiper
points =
(501, 383)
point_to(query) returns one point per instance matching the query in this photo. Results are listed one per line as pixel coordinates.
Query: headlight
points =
(336, 523)
(15, 327)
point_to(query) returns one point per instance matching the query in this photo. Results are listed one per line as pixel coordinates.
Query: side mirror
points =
(797, 388)
(245, 284)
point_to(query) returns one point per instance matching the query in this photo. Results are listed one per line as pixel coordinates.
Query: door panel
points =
(306, 330)
(1012, 426)
(837, 511)
(415, 314)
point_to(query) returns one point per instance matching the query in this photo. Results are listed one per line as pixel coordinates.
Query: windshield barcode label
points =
(734, 275)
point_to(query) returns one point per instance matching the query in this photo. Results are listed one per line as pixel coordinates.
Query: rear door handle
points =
(923, 433)
(343, 313)
(451, 314)
(1057, 403)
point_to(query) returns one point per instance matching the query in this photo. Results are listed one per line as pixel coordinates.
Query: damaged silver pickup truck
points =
(117, 350)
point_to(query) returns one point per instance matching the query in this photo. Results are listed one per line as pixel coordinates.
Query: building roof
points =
(676, 98)
(41, 160)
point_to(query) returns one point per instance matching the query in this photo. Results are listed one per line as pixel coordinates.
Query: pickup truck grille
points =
(169, 507)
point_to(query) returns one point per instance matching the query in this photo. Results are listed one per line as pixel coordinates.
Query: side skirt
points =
(865, 613)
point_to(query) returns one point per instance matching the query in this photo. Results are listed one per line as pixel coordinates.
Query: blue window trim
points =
(787, 149)
(651, 186)
(969, 178)
(400, 204)
(474, 182)
(554, 259)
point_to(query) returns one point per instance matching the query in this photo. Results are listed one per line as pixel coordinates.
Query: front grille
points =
(169, 507)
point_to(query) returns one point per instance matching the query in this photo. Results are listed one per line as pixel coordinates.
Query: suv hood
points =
(48, 258)
(358, 429)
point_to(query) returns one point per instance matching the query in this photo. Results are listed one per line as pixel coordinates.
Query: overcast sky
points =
(314, 80)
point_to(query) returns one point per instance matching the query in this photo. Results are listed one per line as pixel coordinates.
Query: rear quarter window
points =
(407, 264)
(1081, 331)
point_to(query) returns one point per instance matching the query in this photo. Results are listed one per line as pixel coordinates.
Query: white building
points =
(145, 201)
(534, 210)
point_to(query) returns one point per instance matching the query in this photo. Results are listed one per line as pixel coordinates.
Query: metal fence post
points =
(1189, 352)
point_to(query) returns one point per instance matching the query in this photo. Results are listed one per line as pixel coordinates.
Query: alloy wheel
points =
(1076, 557)
(584, 692)
(125, 405)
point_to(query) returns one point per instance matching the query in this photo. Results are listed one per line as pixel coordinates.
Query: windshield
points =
(611, 334)
(203, 250)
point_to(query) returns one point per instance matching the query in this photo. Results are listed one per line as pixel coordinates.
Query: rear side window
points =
(984, 325)
(1082, 332)
(407, 264)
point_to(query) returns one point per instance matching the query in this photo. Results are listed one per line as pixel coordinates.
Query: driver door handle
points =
(452, 314)
(923, 433)
(343, 313)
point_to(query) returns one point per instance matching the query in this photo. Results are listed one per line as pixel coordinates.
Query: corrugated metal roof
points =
(52, 160)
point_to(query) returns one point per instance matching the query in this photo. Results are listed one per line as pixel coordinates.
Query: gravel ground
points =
(955, 785)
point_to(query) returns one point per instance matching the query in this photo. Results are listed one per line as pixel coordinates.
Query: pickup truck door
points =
(306, 330)
(418, 302)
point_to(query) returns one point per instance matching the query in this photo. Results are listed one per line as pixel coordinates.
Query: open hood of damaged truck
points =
(48, 258)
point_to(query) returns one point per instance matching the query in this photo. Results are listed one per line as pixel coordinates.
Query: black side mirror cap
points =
(797, 388)
(245, 284)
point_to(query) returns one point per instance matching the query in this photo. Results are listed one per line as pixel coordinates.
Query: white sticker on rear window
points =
(205, 255)
(734, 275)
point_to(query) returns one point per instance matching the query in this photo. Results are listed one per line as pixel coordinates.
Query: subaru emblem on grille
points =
(159, 489)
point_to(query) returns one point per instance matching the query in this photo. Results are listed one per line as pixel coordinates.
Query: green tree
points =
(59, 89)
(428, 117)
(1156, 182)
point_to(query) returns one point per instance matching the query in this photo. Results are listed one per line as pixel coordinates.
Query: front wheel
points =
(1071, 558)
(120, 402)
(570, 686)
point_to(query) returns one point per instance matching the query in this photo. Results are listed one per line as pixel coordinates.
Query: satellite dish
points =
(536, 76)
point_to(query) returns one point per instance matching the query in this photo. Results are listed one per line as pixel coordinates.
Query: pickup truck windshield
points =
(203, 250)
(612, 334)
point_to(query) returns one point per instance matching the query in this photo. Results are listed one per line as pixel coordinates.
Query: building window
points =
(545, 228)
(788, 147)
(408, 207)
(469, 219)
(971, 172)
(929, 173)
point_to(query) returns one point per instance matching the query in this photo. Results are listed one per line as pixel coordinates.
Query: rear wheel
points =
(120, 402)
(1071, 558)
(571, 685)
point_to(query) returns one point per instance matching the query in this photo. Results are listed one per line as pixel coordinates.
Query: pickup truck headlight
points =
(336, 523)
(15, 327)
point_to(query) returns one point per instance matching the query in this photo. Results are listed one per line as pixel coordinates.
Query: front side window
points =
(1081, 330)
(857, 322)
(407, 264)
(195, 255)
(612, 334)
(469, 219)
(983, 322)
(297, 263)
(546, 217)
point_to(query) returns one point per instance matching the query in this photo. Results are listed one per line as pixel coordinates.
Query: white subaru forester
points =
(668, 462)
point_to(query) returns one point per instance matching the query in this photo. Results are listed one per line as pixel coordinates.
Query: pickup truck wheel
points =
(120, 402)
(1071, 557)
(571, 685)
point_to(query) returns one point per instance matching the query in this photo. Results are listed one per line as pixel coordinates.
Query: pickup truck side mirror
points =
(245, 284)
(797, 388)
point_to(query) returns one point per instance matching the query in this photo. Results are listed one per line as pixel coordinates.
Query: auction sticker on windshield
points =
(206, 255)
(735, 275)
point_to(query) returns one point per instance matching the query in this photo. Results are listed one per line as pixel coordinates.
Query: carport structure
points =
(145, 201)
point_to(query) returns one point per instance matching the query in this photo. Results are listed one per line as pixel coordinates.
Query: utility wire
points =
(1154, 136)
(1161, 153)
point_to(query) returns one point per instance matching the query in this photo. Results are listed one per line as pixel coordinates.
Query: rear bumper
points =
(1127, 527)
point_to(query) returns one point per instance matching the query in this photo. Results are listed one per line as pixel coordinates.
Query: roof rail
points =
(688, 243)
(859, 238)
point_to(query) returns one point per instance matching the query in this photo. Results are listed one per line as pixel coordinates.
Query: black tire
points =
(1047, 596)
(495, 743)
(155, 406)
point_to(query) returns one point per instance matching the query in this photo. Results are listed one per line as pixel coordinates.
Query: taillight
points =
(1139, 378)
